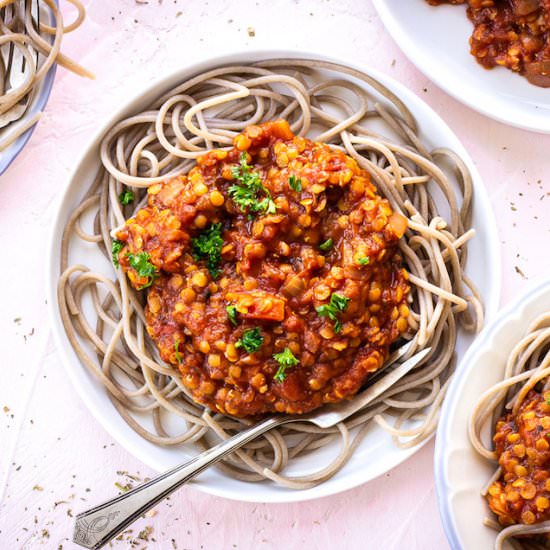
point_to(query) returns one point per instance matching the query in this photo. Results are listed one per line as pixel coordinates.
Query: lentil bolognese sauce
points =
(519, 491)
(315, 275)
(265, 266)
(511, 33)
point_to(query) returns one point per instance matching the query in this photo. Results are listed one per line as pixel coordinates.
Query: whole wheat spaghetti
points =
(326, 102)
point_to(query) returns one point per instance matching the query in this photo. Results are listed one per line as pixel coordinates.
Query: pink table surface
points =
(55, 459)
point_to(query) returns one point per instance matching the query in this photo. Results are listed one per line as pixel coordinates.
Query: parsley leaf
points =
(144, 268)
(232, 314)
(116, 247)
(267, 206)
(285, 359)
(177, 350)
(548, 400)
(363, 261)
(337, 304)
(295, 183)
(327, 245)
(245, 192)
(208, 246)
(251, 340)
(126, 197)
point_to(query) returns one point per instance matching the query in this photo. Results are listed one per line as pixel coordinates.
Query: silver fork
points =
(14, 72)
(34, 7)
(97, 526)
(6, 58)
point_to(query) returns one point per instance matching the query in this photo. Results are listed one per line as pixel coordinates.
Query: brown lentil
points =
(274, 274)
(522, 493)
(511, 33)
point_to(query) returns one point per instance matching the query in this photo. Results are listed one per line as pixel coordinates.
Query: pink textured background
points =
(55, 460)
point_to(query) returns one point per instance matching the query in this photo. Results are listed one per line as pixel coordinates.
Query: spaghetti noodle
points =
(327, 102)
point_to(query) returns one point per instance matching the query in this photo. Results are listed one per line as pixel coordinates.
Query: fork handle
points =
(100, 524)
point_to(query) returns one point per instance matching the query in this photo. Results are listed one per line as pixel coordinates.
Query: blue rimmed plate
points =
(37, 106)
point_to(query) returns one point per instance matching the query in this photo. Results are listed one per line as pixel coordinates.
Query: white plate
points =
(435, 39)
(377, 454)
(461, 506)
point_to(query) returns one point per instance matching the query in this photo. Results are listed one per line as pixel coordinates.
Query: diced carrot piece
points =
(398, 223)
(258, 305)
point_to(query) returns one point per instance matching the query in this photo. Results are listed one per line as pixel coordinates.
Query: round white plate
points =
(460, 472)
(435, 39)
(377, 454)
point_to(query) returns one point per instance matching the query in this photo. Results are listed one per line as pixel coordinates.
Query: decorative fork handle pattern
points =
(100, 524)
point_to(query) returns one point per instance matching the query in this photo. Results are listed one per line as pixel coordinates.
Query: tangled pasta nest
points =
(326, 102)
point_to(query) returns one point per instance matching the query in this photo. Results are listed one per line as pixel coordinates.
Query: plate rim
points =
(455, 87)
(205, 63)
(466, 367)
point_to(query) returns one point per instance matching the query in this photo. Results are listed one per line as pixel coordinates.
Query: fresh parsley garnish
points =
(208, 246)
(548, 400)
(252, 340)
(126, 197)
(285, 359)
(327, 245)
(336, 305)
(116, 247)
(246, 192)
(363, 261)
(177, 350)
(295, 183)
(232, 314)
(143, 266)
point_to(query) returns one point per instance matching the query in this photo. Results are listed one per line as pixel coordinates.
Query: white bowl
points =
(460, 472)
(435, 39)
(377, 454)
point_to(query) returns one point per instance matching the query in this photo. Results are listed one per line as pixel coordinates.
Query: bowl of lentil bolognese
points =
(511, 38)
(255, 235)
(495, 426)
